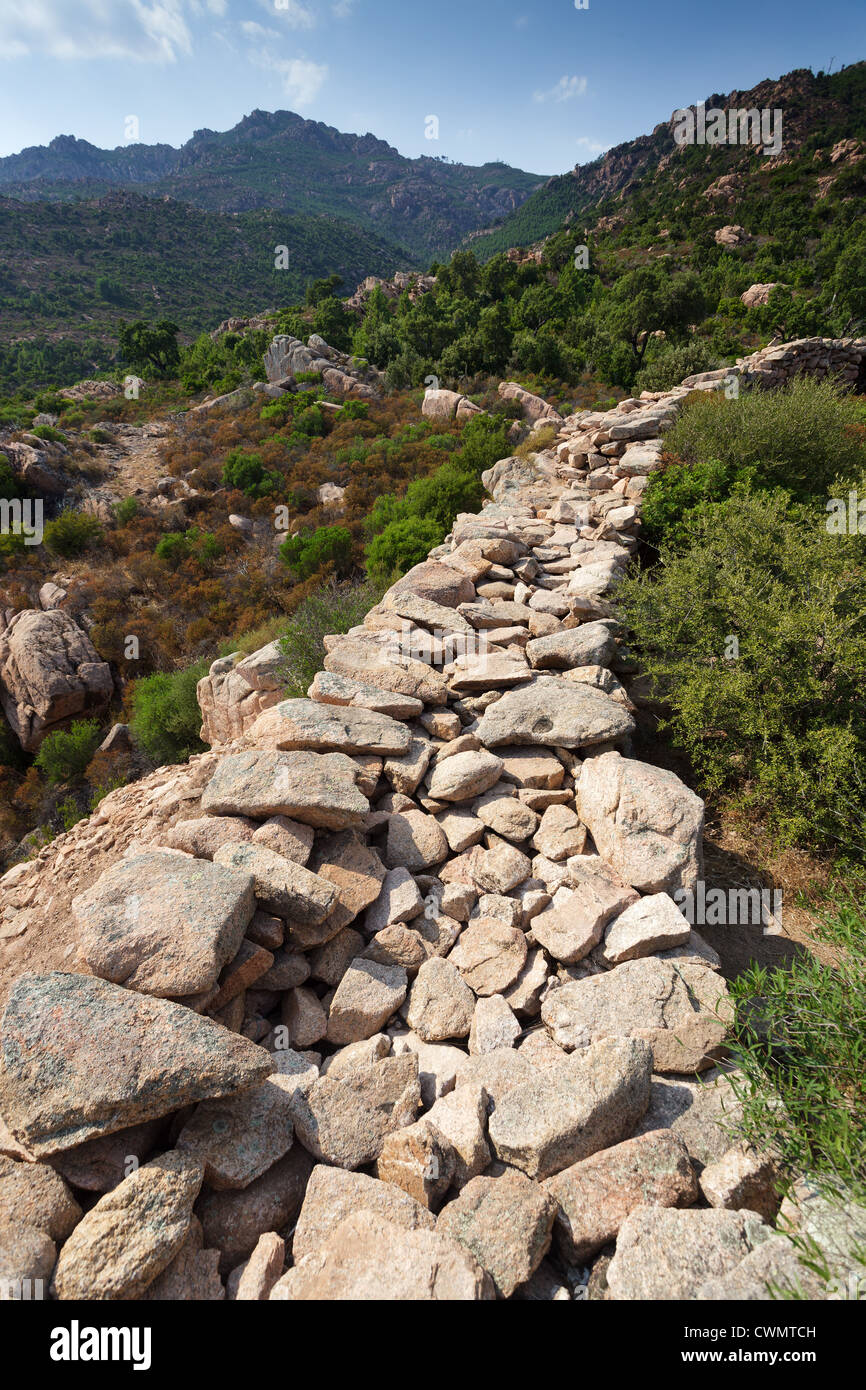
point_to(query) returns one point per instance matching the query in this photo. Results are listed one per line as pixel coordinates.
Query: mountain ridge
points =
(283, 162)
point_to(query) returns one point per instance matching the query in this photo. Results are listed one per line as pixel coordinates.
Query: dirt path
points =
(133, 461)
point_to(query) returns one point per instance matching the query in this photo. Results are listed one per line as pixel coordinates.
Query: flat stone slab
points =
(555, 713)
(574, 1109)
(591, 644)
(333, 1194)
(465, 775)
(281, 886)
(647, 824)
(238, 1137)
(164, 924)
(368, 1257)
(132, 1234)
(594, 1197)
(82, 1057)
(388, 669)
(318, 789)
(681, 1010)
(329, 688)
(505, 1223)
(664, 1253)
(309, 725)
(654, 923)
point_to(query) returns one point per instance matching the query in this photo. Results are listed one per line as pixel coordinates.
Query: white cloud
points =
(301, 78)
(147, 30)
(564, 90)
(294, 13)
(252, 30)
(591, 145)
(306, 14)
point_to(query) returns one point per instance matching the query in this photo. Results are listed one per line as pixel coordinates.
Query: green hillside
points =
(70, 271)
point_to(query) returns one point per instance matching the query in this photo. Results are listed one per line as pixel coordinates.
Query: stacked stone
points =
(390, 996)
(774, 366)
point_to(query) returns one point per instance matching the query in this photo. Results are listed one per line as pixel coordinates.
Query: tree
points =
(651, 300)
(151, 346)
(323, 289)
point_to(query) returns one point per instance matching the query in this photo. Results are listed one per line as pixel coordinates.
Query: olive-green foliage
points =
(405, 529)
(49, 433)
(401, 545)
(9, 486)
(71, 533)
(247, 473)
(166, 717)
(332, 608)
(753, 628)
(63, 755)
(666, 368)
(177, 546)
(126, 510)
(310, 551)
(803, 438)
(799, 1042)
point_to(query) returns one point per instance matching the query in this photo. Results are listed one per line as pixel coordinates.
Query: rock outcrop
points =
(288, 357)
(50, 674)
(236, 691)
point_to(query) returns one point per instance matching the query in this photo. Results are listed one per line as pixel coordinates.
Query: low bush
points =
(798, 1042)
(672, 364)
(166, 719)
(804, 438)
(248, 474)
(71, 533)
(126, 510)
(64, 755)
(401, 545)
(752, 626)
(308, 552)
(333, 608)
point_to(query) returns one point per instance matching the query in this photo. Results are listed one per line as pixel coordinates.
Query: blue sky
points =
(538, 83)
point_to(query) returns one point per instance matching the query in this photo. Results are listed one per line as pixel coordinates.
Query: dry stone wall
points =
(388, 994)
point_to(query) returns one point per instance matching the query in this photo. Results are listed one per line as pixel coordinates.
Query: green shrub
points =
(803, 438)
(70, 812)
(439, 497)
(679, 488)
(9, 485)
(753, 628)
(248, 474)
(483, 442)
(50, 433)
(278, 411)
(401, 545)
(71, 533)
(354, 410)
(166, 718)
(312, 551)
(310, 422)
(798, 1042)
(333, 608)
(126, 510)
(672, 364)
(63, 755)
(177, 546)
